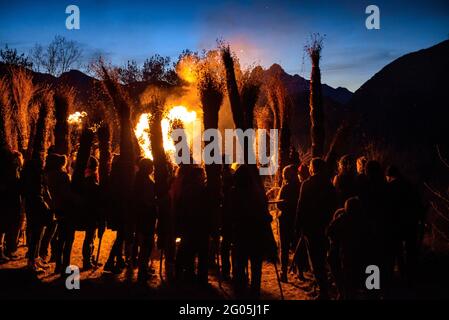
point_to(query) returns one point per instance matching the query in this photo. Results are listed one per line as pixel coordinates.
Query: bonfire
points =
(142, 129)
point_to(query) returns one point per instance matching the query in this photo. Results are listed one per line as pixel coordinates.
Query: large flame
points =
(180, 113)
(142, 132)
(142, 129)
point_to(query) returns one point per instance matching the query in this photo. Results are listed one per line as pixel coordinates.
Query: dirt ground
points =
(17, 282)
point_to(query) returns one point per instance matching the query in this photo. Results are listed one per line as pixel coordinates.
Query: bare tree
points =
(11, 56)
(159, 68)
(129, 73)
(37, 55)
(439, 205)
(58, 57)
(69, 53)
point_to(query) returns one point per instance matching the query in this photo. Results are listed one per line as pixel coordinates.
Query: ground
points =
(17, 282)
(96, 284)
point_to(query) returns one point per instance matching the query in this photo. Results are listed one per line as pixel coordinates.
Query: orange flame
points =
(142, 129)
(186, 69)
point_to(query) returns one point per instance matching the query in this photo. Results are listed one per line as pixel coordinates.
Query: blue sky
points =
(262, 32)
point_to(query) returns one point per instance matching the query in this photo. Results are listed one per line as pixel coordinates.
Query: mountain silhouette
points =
(406, 104)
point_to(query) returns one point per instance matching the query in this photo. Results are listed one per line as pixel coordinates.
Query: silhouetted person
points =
(14, 232)
(116, 210)
(316, 205)
(303, 172)
(301, 256)
(376, 203)
(49, 237)
(89, 217)
(144, 202)
(288, 194)
(293, 157)
(349, 233)
(37, 208)
(408, 215)
(176, 189)
(361, 176)
(131, 244)
(345, 182)
(66, 204)
(252, 234)
(194, 227)
(226, 221)
(10, 199)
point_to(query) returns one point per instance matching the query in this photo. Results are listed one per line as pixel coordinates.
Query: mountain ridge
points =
(405, 106)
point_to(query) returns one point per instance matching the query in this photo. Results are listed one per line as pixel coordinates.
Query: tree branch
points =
(441, 157)
(436, 193)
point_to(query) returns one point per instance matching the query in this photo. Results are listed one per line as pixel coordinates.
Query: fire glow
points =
(76, 118)
(142, 129)
(186, 69)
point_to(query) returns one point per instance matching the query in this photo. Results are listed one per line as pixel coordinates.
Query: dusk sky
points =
(262, 32)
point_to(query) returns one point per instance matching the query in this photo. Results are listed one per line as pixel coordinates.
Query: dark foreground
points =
(16, 282)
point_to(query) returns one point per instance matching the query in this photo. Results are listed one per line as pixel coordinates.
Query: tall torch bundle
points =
(211, 97)
(277, 97)
(127, 158)
(5, 127)
(45, 102)
(21, 94)
(104, 142)
(63, 102)
(127, 149)
(82, 157)
(316, 102)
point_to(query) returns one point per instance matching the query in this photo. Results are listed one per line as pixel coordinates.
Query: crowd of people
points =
(347, 222)
(330, 224)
